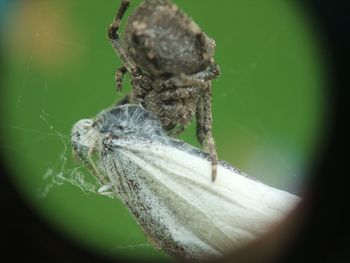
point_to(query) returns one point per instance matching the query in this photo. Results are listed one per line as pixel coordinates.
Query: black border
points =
(325, 233)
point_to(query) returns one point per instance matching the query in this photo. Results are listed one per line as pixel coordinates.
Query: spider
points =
(171, 64)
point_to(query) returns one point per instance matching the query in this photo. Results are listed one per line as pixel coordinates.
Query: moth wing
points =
(177, 187)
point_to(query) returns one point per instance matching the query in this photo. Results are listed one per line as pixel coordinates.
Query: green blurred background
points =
(267, 104)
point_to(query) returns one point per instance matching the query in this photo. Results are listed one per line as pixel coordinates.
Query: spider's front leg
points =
(199, 79)
(204, 128)
(210, 73)
(128, 64)
(119, 74)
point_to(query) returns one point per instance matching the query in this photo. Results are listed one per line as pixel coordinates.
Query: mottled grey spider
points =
(171, 64)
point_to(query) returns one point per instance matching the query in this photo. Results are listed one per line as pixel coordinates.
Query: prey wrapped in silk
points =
(166, 185)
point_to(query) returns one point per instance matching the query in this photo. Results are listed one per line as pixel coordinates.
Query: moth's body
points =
(171, 64)
(165, 184)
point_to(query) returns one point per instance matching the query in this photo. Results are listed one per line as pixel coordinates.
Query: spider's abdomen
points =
(163, 40)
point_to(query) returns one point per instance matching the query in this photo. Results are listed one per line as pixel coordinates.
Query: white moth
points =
(166, 185)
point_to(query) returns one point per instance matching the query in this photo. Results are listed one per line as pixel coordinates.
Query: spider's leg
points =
(184, 80)
(119, 74)
(124, 100)
(177, 130)
(115, 40)
(123, 7)
(182, 92)
(204, 126)
(199, 79)
(209, 73)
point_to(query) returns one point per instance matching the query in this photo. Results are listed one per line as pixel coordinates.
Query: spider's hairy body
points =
(171, 64)
(161, 39)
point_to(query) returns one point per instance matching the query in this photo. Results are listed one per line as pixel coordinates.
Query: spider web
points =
(58, 171)
(61, 174)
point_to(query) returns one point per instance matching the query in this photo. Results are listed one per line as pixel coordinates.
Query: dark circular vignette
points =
(325, 233)
(321, 223)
